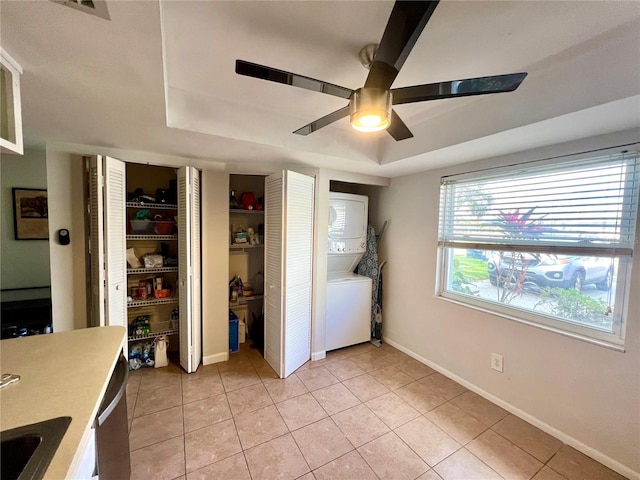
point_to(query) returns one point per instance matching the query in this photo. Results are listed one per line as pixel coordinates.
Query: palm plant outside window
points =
(547, 243)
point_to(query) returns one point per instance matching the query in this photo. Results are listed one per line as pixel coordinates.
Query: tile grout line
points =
(300, 450)
(184, 433)
(431, 467)
(518, 446)
(472, 438)
(464, 447)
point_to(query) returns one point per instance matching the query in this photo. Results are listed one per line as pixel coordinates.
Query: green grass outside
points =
(472, 268)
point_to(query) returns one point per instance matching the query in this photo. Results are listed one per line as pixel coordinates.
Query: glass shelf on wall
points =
(151, 301)
(152, 237)
(156, 206)
(136, 271)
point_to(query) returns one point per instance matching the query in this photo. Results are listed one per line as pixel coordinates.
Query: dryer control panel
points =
(348, 246)
(348, 223)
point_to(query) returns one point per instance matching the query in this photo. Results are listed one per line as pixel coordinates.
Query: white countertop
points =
(62, 374)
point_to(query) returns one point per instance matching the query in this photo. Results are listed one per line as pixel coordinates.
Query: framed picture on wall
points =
(30, 214)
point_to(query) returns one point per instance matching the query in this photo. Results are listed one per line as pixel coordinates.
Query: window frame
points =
(615, 339)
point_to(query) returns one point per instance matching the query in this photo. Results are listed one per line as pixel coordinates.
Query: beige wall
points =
(319, 286)
(215, 266)
(587, 395)
(65, 180)
(23, 263)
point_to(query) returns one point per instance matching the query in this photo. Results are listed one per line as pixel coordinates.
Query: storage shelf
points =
(152, 237)
(171, 331)
(242, 210)
(245, 300)
(151, 301)
(138, 271)
(156, 206)
(240, 246)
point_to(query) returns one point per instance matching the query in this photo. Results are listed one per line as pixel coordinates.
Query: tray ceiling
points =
(159, 77)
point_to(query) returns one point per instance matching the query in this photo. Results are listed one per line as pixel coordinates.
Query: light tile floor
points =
(361, 413)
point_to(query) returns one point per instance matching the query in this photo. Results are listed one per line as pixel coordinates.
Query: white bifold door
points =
(289, 199)
(107, 184)
(189, 268)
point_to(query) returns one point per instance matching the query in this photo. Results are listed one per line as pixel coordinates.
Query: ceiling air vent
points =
(93, 7)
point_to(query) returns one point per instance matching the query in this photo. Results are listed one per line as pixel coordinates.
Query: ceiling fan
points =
(370, 107)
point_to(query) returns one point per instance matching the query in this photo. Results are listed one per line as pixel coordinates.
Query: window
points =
(548, 243)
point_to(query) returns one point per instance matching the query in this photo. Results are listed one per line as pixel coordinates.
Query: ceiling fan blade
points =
(407, 20)
(323, 122)
(397, 129)
(458, 88)
(280, 76)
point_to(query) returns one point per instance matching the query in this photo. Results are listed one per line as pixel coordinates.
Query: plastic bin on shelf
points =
(141, 227)
(234, 344)
(164, 227)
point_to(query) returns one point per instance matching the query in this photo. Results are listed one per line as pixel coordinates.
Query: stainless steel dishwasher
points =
(112, 428)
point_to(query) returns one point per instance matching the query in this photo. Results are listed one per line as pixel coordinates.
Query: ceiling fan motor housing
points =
(367, 54)
(370, 109)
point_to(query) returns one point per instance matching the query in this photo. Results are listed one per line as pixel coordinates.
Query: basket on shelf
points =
(141, 227)
(164, 227)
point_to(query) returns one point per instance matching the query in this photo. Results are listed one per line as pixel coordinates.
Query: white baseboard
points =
(216, 358)
(545, 427)
(318, 355)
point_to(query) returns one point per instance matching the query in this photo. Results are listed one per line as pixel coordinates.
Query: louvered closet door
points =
(298, 270)
(96, 242)
(273, 258)
(114, 232)
(189, 268)
(288, 267)
(195, 262)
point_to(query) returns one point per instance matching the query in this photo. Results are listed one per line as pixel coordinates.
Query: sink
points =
(27, 451)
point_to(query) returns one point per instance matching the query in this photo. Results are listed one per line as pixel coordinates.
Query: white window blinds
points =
(581, 207)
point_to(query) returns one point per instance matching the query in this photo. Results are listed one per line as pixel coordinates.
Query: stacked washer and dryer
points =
(348, 319)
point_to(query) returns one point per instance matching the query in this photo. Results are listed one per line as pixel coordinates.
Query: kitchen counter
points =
(62, 374)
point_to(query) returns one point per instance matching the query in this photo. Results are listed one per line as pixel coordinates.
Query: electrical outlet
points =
(496, 362)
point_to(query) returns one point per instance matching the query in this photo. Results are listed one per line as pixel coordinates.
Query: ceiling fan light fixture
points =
(370, 109)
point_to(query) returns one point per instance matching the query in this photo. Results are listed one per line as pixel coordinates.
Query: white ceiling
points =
(159, 77)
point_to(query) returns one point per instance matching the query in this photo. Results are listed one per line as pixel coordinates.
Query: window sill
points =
(618, 347)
